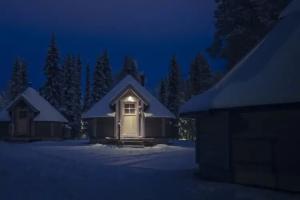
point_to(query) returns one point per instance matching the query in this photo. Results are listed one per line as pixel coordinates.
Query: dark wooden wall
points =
(257, 146)
(44, 130)
(266, 147)
(154, 128)
(104, 128)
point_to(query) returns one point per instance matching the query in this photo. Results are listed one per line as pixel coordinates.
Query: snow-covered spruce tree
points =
(102, 77)
(186, 85)
(88, 95)
(162, 92)
(51, 90)
(18, 82)
(174, 87)
(4, 99)
(68, 87)
(129, 67)
(241, 24)
(107, 72)
(200, 77)
(76, 124)
(72, 93)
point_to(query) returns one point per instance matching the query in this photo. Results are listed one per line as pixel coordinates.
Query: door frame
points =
(137, 118)
(26, 122)
(18, 105)
(117, 102)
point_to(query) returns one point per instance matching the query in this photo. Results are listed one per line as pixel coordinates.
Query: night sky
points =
(149, 30)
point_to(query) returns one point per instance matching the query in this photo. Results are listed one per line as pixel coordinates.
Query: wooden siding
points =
(101, 128)
(212, 146)
(49, 130)
(255, 146)
(265, 146)
(157, 128)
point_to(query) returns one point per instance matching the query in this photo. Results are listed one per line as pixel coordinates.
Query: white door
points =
(130, 119)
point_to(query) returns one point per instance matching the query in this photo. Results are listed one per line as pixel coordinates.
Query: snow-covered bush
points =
(187, 128)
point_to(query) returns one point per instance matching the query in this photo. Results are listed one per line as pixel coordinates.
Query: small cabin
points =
(129, 111)
(30, 116)
(248, 128)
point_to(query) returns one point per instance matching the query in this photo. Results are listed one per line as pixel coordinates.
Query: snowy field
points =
(77, 170)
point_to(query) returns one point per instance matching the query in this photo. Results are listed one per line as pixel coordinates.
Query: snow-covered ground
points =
(77, 170)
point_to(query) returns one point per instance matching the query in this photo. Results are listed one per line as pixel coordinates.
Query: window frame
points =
(129, 108)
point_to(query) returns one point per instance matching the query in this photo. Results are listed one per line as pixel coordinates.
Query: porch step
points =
(131, 142)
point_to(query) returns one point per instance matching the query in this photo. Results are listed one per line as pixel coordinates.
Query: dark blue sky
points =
(149, 30)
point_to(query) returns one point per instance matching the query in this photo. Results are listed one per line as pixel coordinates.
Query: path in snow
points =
(76, 170)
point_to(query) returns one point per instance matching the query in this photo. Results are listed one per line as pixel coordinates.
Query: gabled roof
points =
(103, 108)
(269, 74)
(46, 112)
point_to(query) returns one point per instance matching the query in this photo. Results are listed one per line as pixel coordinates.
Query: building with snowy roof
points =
(128, 111)
(29, 115)
(248, 123)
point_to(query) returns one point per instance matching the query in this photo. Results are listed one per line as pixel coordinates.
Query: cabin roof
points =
(268, 75)
(103, 109)
(46, 112)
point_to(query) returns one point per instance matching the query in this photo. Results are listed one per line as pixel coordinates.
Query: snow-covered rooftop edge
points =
(103, 109)
(293, 7)
(267, 75)
(47, 113)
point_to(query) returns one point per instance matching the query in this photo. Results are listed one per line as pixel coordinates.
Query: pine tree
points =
(162, 92)
(102, 77)
(240, 25)
(107, 72)
(51, 90)
(68, 92)
(174, 88)
(129, 68)
(72, 93)
(77, 98)
(88, 96)
(187, 90)
(4, 99)
(200, 78)
(18, 82)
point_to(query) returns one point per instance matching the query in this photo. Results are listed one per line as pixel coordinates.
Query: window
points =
(22, 114)
(129, 108)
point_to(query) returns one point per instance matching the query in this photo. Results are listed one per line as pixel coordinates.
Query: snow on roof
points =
(103, 108)
(294, 6)
(46, 111)
(202, 102)
(267, 75)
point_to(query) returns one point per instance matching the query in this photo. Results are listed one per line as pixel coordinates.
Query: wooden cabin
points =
(248, 128)
(30, 116)
(129, 111)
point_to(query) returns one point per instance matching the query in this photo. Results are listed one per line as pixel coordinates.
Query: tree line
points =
(239, 24)
(62, 87)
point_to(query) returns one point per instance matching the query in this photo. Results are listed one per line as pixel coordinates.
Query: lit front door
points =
(22, 123)
(130, 120)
